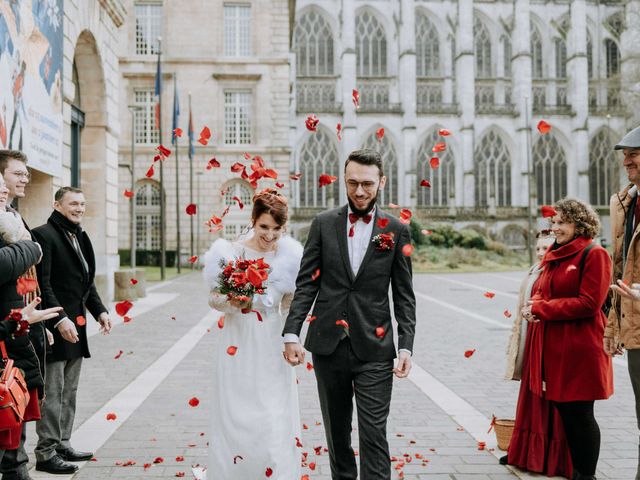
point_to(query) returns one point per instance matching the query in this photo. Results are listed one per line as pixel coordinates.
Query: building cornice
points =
(152, 59)
(115, 10)
(237, 76)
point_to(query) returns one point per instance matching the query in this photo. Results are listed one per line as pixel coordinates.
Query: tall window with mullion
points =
(313, 43)
(549, 169)
(442, 179)
(492, 172)
(318, 155)
(604, 169)
(148, 27)
(237, 30)
(145, 129)
(387, 150)
(482, 44)
(427, 48)
(371, 46)
(237, 117)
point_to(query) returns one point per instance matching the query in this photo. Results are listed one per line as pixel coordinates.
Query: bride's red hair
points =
(272, 202)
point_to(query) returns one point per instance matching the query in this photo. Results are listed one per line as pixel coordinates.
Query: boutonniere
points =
(383, 242)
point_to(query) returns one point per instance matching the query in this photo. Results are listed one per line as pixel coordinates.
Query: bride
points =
(255, 416)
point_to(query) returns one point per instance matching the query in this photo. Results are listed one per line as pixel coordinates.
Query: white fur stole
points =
(284, 266)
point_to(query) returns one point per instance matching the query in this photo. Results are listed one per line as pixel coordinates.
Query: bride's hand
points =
(293, 354)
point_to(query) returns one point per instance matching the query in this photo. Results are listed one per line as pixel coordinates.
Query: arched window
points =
(536, 53)
(561, 58)
(442, 179)
(318, 155)
(427, 48)
(604, 169)
(313, 39)
(148, 216)
(613, 58)
(389, 165)
(507, 53)
(237, 220)
(550, 170)
(492, 171)
(482, 42)
(371, 46)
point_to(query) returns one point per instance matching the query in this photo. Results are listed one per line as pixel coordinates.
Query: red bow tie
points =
(354, 217)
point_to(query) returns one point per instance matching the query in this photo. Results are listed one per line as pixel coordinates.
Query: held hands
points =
(293, 354)
(31, 315)
(404, 365)
(105, 323)
(611, 347)
(527, 314)
(632, 292)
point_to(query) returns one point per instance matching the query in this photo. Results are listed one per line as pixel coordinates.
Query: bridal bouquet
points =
(241, 279)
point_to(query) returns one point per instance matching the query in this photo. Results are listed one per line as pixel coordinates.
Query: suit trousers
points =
(59, 409)
(14, 462)
(339, 376)
(633, 358)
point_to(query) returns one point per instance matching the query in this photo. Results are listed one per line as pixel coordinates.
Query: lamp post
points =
(132, 206)
(198, 226)
(530, 182)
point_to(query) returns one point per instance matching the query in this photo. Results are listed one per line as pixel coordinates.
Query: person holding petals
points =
(255, 416)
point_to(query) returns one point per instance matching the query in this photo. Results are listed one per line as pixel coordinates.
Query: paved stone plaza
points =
(438, 415)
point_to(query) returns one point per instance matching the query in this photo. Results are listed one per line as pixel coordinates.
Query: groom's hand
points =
(294, 354)
(404, 365)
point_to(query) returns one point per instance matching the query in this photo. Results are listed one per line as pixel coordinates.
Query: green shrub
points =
(472, 239)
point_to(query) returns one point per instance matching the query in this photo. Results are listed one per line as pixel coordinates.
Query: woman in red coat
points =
(567, 364)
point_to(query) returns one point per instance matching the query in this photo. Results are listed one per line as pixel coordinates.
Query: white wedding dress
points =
(255, 417)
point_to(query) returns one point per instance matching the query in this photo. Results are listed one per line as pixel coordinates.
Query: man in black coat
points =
(66, 275)
(352, 255)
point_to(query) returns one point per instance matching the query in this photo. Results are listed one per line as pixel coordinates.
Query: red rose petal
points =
(193, 259)
(434, 162)
(123, 307)
(342, 323)
(326, 179)
(309, 366)
(468, 353)
(191, 209)
(315, 275)
(489, 294)
(312, 123)
(221, 322)
(443, 132)
(164, 151)
(118, 355)
(232, 350)
(380, 134)
(339, 131)
(177, 132)
(439, 147)
(240, 204)
(543, 127)
(507, 314)
(194, 402)
(295, 176)
(237, 167)
(380, 332)
(26, 285)
(407, 250)
(81, 321)
(383, 222)
(405, 216)
(548, 211)
(126, 319)
(111, 416)
(158, 460)
(179, 459)
(213, 163)
(150, 172)
(128, 193)
(425, 183)
(133, 281)
(279, 185)
(355, 96)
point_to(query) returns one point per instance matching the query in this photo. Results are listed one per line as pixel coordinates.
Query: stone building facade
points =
(230, 64)
(90, 124)
(488, 71)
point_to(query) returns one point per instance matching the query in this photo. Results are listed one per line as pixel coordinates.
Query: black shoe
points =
(71, 455)
(504, 460)
(56, 466)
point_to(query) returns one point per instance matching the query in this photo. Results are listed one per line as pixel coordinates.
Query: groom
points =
(346, 270)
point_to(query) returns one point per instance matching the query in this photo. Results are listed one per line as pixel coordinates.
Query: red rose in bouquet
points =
(241, 279)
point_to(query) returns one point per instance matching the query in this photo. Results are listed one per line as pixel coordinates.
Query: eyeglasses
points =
(368, 186)
(22, 175)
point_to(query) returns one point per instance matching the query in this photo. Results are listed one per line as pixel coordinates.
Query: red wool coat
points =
(567, 352)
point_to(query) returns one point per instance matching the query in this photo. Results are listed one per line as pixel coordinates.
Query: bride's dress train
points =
(255, 416)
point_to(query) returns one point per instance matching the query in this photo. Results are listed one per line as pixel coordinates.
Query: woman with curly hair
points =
(564, 360)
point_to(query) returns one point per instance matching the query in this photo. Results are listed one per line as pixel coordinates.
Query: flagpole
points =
(178, 249)
(163, 224)
(191, 188)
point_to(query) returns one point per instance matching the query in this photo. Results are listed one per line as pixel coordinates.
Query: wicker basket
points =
(504, 430)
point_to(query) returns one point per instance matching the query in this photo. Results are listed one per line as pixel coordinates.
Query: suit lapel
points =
(371, 247)
(341, 231)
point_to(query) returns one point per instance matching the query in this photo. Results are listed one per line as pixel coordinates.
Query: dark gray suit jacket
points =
(362, 299)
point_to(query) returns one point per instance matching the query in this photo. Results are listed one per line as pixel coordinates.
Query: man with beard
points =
(350, 332)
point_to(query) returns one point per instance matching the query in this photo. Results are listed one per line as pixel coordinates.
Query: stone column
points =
(522, 93)
(407, 82)
(348, 66)
(630, 68)
(578, 86)
(465, 88)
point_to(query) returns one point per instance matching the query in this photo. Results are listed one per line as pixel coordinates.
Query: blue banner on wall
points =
(31, 56)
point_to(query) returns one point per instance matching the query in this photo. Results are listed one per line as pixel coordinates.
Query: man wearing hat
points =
(623, 329)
